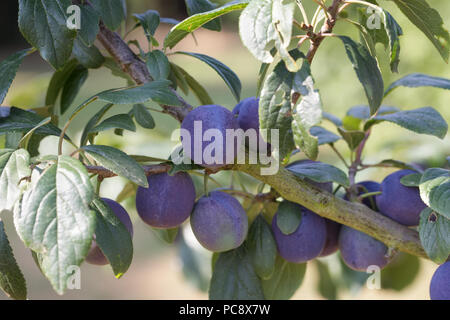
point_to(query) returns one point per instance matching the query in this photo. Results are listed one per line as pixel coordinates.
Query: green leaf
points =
(22, 121)
(12, 281)
(230, 78)
(416, 80)
(112, 12)
(401, 272)
(157, 91)
(285, 280)
(352, 137)
(434, 233)
(275, 105)
(234, 277)
(118, 121)
(178, 79)
(167, 235)
(367, 70)
(8, 70)
(58, 80)
(93, 122)
(158, 65)
(262, 247)
(435, 190)
(423, 120)
(149, 21)
(289, 217)
(394, 31)
(14, 166)
(332, 118)
(143, 116)
(307, 112)
(44, 25)
(89, 24)
(363, 112)
(411, 180)
(201, 6)
(327, 286)
(428, 21)
(72, 87)
(113, 238)
(320, 172)
(198, 90)
(399, 164)
(90, 57)
(182, 29)
(266, 24)
(53, 218)
(324, 136)
(118, 162)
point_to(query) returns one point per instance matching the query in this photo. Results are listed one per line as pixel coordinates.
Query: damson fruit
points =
(247, 112)
(440, 283)
(168, 200)
(306, 242)
(398, 202)
(331, 243)
(219, 222)
(360, 251)
(204, 136)
(95, 255)
(332, 240)
(368, 187)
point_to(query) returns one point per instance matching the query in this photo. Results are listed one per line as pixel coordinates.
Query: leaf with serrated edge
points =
(12, 281)
(435, 190)
(12, 172)
(8, 70)
(434, 233)
(53, 218)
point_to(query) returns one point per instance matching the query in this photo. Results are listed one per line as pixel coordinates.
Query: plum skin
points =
(398, 202)
(305, 243)
(168, 201)
(440, 283)
(359, 250)
(211, 117)
(331, 242)
(247, 112)
(368, 186)
(219, 222)
(95, 255)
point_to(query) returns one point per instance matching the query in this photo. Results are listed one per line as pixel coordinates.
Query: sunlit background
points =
(182, 271)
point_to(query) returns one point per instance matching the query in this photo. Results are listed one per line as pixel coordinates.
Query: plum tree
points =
(168, 200)
(440, 283)
(398, 202)
(53, 197)
(359, 250)
(209, 117)
(95, 255)
(219, 222)
(306, 242)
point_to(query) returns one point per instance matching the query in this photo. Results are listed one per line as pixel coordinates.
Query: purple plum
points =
(305, 243)
(205, 124)
(368, 187)
(440, 283)
(168, 201)
(95, 255)
(219, 222)
(332, 240)
(398, 202)
(359, 251)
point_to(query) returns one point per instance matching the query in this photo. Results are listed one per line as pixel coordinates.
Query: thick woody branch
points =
(149, 170)
(352, 214)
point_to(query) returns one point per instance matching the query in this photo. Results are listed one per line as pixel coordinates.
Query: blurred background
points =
(163, 271)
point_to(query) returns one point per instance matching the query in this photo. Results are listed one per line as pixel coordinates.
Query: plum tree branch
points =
(352, 214)
(327, 27)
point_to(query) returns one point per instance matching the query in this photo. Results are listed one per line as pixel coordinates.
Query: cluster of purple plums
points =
(220, 223)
